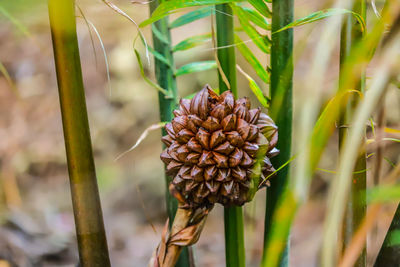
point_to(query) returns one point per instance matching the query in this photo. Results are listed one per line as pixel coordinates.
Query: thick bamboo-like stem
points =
(281, 110)
(356, 206)
(233, 216)
(91, 236)
(167, 80)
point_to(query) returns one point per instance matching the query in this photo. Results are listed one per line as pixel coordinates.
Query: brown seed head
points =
(213, 144)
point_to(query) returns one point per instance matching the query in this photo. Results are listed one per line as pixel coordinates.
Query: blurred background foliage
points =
(37, 226)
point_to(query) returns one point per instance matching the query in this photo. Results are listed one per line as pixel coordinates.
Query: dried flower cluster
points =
(214, 146)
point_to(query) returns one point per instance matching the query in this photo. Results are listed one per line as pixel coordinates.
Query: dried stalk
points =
(185, 231)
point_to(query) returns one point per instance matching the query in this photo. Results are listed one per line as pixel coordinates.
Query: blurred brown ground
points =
(37, 227)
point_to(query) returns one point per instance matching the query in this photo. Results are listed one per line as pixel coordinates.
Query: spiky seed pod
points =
(213, 146)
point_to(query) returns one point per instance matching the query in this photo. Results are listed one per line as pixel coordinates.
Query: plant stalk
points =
(281, 112)
(351, 34)
(233, 216)
(167, 80)
(182, 218)
(92, 243)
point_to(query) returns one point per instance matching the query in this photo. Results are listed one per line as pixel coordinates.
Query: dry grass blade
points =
(90, 32)
(91, 25)
(121, 12)
(142, 137)
(340, 187)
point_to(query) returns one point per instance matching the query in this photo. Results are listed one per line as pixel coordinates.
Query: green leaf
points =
(252, 59)
(16, 22)
(255, 88)
(156, 54)
(324, 14)
(255, 17)
(159, 57)
(169, 7)
(191, 16)
(394, 238)
(150, 82)
(192, 42)
(196, 67)
(158, 34)
(261, 7)
(383, 193)
(262, 41)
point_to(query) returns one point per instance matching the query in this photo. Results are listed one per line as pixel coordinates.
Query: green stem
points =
(91, 236)
(226, 56)
(351, 34)
(233, 216)
(167, 80)
(281, 111)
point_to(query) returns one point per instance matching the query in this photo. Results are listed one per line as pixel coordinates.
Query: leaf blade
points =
(169, 7)
(192, 42)
(252, 60)
(196, 67)
(260, 40)
(147, 80)
(255, 17)
(191, 16)
(255, 88)
(261, 7)
(322, 14)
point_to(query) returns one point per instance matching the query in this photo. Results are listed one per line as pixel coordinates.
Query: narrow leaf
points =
(191, 16)
(261, 7)
(391, 130)
(255, 17)
(196, 67)
(157, 55)
(252, 59)
(159, 35)
(255, 88)
(150, 82)
(262, 41)
(16, 22)
(324, 14)
(169, 7)
(383, 193)
(192, 42)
